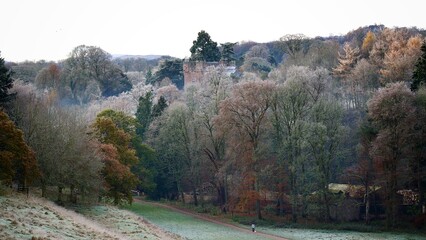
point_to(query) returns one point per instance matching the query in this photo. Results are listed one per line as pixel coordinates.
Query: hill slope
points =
(35, 218)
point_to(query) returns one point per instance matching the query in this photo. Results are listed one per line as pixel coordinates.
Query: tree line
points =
(330, 111)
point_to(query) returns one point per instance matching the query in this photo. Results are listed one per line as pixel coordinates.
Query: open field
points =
(300, 234)
(187, 226)
(33, 217)
(193, 228)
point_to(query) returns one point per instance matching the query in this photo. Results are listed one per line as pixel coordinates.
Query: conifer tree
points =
(419, 74)
(204, 48)
(347, 61)
(6, 83)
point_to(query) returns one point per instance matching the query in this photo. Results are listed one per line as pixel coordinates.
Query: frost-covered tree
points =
(392, 112)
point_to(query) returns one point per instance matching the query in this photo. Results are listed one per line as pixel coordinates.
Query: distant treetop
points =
(204, 48)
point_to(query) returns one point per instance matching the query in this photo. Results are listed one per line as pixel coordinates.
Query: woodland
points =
(298, 115)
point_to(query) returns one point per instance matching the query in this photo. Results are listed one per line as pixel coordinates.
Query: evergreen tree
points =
(204, 49)
(172, 69)
(143, 114)
(158, 108)
(6, 83)
(149, 78)
(228, 52)
(419, 74)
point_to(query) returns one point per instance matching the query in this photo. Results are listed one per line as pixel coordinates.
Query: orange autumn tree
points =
(119, 156)
(17, 160)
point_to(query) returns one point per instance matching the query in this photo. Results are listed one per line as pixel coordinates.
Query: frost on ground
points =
(125, 222)
(301, 234)
(25, 218)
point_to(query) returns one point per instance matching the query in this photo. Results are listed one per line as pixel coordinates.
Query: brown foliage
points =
(17, 160)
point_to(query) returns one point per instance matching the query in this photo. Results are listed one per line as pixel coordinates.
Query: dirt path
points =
(209, 219)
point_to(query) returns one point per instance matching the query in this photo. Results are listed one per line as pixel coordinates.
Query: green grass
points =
(186, 226)
(296, 234)
(192, 228)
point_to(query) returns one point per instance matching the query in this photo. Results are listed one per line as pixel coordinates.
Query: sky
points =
(50, 29)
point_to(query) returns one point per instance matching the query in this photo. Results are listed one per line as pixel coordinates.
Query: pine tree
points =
(6, 83)
(204, 48)
(419, 74)
(158, 108)
(228, 52)
(143, 114)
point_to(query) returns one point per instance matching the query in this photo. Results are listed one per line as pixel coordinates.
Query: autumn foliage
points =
(118, 155)
(17, 160)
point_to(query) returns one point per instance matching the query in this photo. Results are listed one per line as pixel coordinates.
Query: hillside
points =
(35, 218)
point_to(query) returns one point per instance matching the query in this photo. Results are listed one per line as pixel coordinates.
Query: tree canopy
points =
(204, 48)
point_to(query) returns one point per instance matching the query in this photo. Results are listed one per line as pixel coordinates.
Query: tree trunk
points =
(327, 205)
(73, 196)
(280, 203)
(367, 203)
(43, 189)
(422, 205)
(294, 197)
(258, 207)
(60, 195)
(194, 195)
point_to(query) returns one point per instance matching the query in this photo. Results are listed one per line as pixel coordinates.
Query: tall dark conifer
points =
(419, 74)
(6, 83)
(204, 48)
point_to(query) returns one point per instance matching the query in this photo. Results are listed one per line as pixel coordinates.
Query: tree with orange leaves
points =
(118, 155)
(17, 160)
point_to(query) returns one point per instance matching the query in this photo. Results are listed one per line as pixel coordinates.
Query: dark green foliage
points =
(114, 83)
(172, 69)
(6, 83)
(147, 169)
(149, 78)
(158, 108)
(419, 74)
(204, 49)
(228, 52)
(143, 114)
(276, 53)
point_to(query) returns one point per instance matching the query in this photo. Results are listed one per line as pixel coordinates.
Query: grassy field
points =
(186, 226)
(296, 234)
(192, 228)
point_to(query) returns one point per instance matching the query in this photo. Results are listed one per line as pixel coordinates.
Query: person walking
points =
(253, 227)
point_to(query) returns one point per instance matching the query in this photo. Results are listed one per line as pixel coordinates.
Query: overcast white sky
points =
(50, 29)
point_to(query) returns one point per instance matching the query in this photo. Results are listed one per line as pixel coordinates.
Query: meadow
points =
(193, 228)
